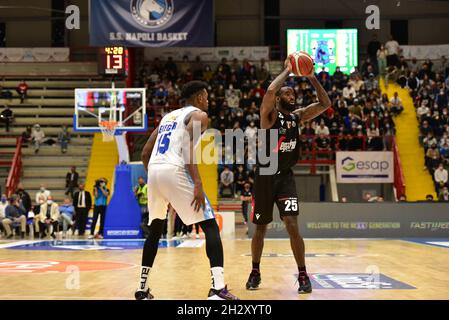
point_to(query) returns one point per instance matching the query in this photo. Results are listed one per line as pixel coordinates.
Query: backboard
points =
(125, 106)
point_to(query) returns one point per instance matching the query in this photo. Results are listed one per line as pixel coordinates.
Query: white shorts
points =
(170, 184)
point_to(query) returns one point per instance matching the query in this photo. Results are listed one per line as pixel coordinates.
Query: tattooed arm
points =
(315, 109)
(269, 100)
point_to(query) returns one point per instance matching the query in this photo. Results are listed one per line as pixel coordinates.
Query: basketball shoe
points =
(222, 294)
(253, 280)
(305, 286)
(143, 295)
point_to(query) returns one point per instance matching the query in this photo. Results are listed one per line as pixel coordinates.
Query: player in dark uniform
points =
(279, 112)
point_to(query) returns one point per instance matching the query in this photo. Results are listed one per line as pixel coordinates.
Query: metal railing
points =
(16, 169)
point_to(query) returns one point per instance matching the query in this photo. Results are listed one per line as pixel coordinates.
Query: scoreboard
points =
(113, 61)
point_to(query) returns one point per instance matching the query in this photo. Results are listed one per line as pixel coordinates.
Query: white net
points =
(108, 129)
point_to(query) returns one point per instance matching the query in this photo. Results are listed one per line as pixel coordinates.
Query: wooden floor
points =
(183, 273)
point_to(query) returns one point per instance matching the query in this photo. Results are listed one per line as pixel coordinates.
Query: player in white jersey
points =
(173, 178)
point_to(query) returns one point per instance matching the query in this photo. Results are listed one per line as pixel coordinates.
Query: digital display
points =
(328, 47)
(114, 60)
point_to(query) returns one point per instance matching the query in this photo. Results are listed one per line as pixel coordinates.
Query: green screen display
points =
(328, 47)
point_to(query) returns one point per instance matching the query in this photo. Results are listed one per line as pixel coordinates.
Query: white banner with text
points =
(365, 167)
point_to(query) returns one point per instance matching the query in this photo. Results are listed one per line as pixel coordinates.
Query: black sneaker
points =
(222, 294)
(305, 286)
(143, 295)
(253, 280)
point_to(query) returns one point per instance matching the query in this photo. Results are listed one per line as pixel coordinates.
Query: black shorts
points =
(269, 189)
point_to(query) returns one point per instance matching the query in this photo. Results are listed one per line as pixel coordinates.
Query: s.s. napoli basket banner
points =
(151, 23)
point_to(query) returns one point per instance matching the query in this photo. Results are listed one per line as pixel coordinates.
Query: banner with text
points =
(34, 54)
(365, 167)
(209, 53)
(151, 23)
(425, 51)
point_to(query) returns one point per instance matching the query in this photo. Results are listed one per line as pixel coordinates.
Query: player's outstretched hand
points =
(198, 198)
(288, 65)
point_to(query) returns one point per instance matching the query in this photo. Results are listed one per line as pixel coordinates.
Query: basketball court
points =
(340, 268)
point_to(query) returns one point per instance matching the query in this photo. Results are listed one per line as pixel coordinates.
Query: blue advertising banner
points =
(151, 23)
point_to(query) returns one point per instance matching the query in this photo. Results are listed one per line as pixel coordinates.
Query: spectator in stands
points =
(444, 152)
(141, 194)
(322, 129)
(441, 176)
(5, 94)
(240, 178)
(382, 54)
(36, 219)
(432, 158)
(367, 197)
(82, 201)
(24, 197)
(49, 217)
(392, 75)
(371, 83)
(413, 83)
(323, 144)
(226, 181)
(251, 130)
(324, 78)
(393, 49)
(414, 65)
(232, 96)
(64, 139)
(7, 117)
(37, 137)
(444, 195)
(67, 212)
(396, 104)
(22, 90)
(26, 136)
(246, 198)
(101, 194)
(3, 205)
(348, 90)
(373, 47)
(14, 213)
(374, 140)
(71, 181)
(42, 192)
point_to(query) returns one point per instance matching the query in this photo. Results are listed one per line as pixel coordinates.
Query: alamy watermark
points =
(235, 146)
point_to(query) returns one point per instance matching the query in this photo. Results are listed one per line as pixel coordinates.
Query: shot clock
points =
(113, 61)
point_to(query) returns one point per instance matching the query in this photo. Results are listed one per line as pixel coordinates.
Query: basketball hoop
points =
(108, 129)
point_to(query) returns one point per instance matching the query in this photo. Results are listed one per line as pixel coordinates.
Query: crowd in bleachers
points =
(360, 118)
(428, 87)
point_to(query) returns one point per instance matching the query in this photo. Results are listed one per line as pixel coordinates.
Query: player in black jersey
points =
(279, 112)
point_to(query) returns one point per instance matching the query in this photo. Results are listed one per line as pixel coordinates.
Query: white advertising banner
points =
(34, 54)
(208, 53)
(425, 52)
(365, 167)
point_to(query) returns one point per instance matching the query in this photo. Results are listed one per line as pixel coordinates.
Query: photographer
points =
(101, 194)
(141, 193)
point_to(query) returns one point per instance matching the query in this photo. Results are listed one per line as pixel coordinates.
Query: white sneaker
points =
(90, 237)
(184, 236)
(197, 236)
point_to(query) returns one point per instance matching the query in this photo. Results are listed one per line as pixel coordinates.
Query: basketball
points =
(302, 63)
